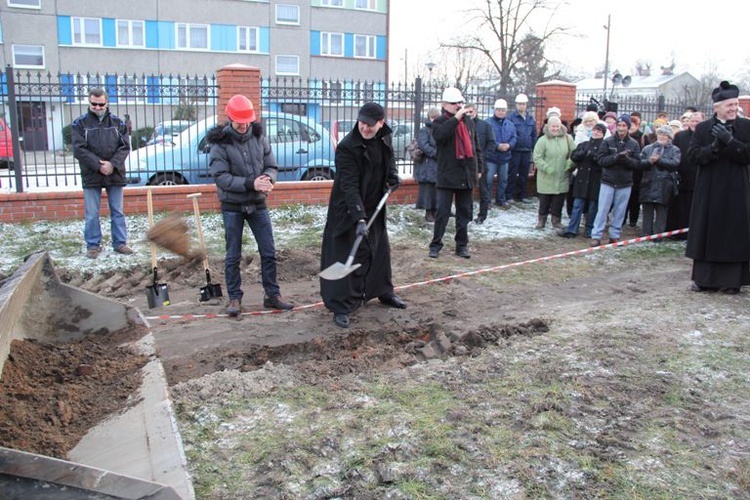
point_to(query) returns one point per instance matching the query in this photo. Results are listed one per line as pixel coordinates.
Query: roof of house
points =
(637, 82)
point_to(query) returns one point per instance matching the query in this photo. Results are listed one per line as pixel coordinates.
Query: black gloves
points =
(721, 133)
(393, 183)
(361, 228)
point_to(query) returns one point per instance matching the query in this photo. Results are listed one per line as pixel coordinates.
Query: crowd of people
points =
(609, 169)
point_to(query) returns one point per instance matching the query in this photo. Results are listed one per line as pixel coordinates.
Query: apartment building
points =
(133, 48)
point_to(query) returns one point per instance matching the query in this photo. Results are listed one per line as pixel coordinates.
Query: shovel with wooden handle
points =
(339, 270)
(211, 290)
(157, 293)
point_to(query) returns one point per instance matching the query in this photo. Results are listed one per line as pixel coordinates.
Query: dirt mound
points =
(52, 394)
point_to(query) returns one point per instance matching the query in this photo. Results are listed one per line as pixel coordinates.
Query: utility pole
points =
(606, 57)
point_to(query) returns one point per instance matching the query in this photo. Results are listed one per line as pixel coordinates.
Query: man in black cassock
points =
(365, 168)
(719, 237)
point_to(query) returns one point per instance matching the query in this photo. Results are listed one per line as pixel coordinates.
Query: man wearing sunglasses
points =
(101, 144)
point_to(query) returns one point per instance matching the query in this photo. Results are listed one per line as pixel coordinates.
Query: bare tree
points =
(501, 31)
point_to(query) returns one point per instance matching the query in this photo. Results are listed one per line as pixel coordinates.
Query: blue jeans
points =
(92, 229)
(575, 215)
(260, 224)
(611, 197)
(502, 180)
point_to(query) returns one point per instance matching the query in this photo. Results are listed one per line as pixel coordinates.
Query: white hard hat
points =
(521, 98)
(554, 110)
(501, 104)
(452, 94)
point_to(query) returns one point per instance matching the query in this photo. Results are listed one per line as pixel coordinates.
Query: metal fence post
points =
(418, 105)
(15, 129)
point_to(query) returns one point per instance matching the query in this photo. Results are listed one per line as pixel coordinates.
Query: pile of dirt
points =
(51, 395)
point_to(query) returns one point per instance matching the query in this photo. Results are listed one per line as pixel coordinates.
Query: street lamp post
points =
(606, 57)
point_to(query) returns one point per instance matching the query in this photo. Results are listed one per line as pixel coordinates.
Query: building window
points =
(28, 56)
(365, 4)
(130, 89)
(332, 3)
(130, 33)
(287, 14)
(87, 31)
(192, 36)
(332, 44)
(249, 39)
(364, 46)
(25, 4)
(287, 65)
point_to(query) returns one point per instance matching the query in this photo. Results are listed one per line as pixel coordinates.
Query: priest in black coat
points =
(365, 169)
(719, 237)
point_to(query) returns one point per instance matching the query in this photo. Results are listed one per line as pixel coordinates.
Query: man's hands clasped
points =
(721, 133)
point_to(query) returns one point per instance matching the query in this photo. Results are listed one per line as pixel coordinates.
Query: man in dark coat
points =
(678, 216)
(365, 168)
(101, 144)
(719, 237)
(459, 164)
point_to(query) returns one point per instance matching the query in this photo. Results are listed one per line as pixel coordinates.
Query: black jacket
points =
(687, 169)
(657, 183)
(236, 160)
(618, 157)
(453, 173)
(588, 177)
(94, 140)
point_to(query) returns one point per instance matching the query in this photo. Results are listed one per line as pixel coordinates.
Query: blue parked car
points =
(303, 149)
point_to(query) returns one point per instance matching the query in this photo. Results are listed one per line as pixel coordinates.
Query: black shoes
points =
(463, 253)
(565, 234)
(480, 220)
(277, 303)
(341, 320)
(392, 301)
(434, 252)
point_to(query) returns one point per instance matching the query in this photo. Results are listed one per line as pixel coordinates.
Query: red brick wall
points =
(238, 79)
(559, 94)
(66, 205)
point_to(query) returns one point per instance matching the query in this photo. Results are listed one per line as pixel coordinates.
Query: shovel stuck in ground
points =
(211, 290)
(339, 270)
(157, 294)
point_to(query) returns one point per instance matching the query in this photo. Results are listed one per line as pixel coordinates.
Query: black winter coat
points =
(618, 157)
(588, 177)
(359, 185)
(453, 173)
(657, 184)
(426, 170)
(687, 169)
(236, 160)
(95, 140)
(720, 215)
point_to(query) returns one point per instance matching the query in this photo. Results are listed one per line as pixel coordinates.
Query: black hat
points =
(371, 113)
(725, 91)
(601, 127)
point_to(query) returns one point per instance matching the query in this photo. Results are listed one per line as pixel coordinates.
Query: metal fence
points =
(304, 119)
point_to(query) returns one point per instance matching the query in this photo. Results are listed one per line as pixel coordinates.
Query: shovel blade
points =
(157, 295)
(210, 291)
(337, 271)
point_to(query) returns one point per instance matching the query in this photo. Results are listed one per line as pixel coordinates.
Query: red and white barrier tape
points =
(582, 251)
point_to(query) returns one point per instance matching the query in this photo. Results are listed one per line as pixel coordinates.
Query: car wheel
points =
(318, 175)
(167, 180)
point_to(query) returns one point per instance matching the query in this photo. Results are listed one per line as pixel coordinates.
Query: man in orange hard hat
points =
(245, 171)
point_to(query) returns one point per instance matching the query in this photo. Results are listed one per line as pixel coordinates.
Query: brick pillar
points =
(556, 93)
(238, 79)
(745, 104)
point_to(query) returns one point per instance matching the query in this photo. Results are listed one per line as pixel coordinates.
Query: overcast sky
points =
(696, 35)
